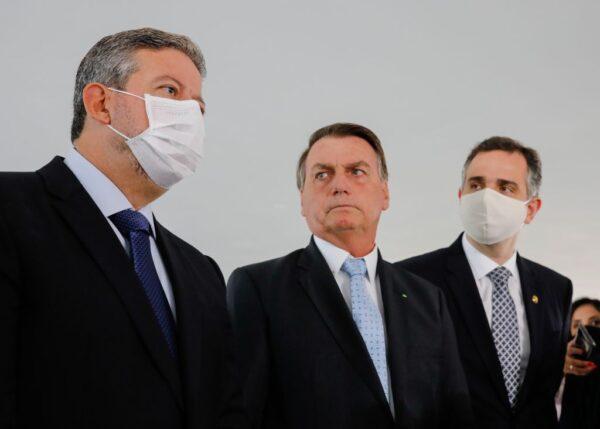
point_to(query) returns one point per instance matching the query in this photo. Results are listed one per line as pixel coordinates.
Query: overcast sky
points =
(430, 78)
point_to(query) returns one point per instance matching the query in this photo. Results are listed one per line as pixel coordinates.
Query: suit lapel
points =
(462, 285)
(191, 309)
(322, 289)
(532, 297)
(393, 294)
(81, 214)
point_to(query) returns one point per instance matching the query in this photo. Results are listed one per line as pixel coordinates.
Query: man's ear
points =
(95, 99)
(386, 196)
(533, 207)
(302, 202)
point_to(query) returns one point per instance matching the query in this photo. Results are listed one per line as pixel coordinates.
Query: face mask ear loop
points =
(125, 92)
(119, 133)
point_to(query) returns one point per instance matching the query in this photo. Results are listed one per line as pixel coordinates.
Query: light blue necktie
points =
(505, 331)
(367, 317)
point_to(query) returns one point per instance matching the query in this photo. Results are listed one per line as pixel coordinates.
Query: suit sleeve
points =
(250, 333)
(456, 408)
(9, 309)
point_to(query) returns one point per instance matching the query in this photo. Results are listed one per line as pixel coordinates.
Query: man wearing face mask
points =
(510, 314)
(107, 319)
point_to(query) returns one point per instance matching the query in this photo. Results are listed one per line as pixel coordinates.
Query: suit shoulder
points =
(269, 267)
(424, 261)
(545, 273)
(18, 183)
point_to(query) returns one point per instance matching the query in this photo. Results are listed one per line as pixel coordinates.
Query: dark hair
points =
(342, 129)
(111, 62)
(585, 301)
(506, 144)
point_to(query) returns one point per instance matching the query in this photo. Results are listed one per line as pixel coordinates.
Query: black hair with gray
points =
(111, 62)
(342, 129)
(506, 144)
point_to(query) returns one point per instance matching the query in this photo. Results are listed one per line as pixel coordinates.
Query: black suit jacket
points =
(305, 364)
(80, 346)
(547, 298)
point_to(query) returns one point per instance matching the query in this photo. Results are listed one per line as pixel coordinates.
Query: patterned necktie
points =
(136, 229)
(505, 331)
(367, 317)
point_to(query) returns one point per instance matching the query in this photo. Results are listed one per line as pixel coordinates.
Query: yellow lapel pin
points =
(535, 299)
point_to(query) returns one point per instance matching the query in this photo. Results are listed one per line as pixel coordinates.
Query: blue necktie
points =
(367, 318)
(136, 229)
(505, 331)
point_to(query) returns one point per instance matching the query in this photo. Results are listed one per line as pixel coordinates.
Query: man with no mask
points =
(510, 314)
(108, 319)
(332, 335)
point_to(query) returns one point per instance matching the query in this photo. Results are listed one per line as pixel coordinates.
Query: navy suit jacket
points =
(547, 299)
(305, 365)
(80, 346)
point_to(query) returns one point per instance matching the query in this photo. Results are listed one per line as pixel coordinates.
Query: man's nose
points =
(340, 184)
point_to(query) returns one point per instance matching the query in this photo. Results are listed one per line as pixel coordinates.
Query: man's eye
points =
(358, 172)
(170, 90)
(321, 175)
(475, 186)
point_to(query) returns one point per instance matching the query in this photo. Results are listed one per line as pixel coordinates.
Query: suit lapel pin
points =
(535, 299)
(404, 296)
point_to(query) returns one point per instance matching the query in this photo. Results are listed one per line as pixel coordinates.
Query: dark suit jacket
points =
(80, 346)
(305, 364)
(548, 321)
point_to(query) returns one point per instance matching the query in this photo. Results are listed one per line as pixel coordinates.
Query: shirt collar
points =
(481, 265)
(335, 257)
(104, 193)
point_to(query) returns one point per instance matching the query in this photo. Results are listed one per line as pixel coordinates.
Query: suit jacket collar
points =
(87, 222)
(396, 304)
(462, 286)
(318, 282)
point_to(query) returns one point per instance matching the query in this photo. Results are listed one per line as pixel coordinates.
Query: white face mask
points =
(171, 148)
(490, 217)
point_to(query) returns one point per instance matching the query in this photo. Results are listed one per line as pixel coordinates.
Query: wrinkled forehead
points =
(333, 150)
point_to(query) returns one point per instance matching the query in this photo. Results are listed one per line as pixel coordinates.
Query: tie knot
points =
(499, 276)
(354, 267)
(128, 221)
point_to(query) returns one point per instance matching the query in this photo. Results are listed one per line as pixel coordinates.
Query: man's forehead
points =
(341, 150)
(495, 164)
(155, 63)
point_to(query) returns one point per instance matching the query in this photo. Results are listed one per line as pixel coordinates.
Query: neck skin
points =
(117, 162)
(498, 252)
(357, 245)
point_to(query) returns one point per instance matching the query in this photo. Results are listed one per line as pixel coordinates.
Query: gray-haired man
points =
(107, 319)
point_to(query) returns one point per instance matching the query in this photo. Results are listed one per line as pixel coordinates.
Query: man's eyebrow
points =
(507, 182)
(357, 164)
(321, 166)
(476, 179)
(199, 99)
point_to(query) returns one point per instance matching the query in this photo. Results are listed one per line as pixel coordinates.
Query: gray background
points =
(431, 78)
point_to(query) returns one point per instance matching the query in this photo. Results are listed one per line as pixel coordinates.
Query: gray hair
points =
(111, 62)
(506, 144)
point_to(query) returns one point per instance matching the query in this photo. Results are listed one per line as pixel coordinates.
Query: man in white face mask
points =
(108, 319)
(510, 314)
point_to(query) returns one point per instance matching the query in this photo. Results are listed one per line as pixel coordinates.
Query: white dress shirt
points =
(481, 265)
(335, 257)
(110, 200)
